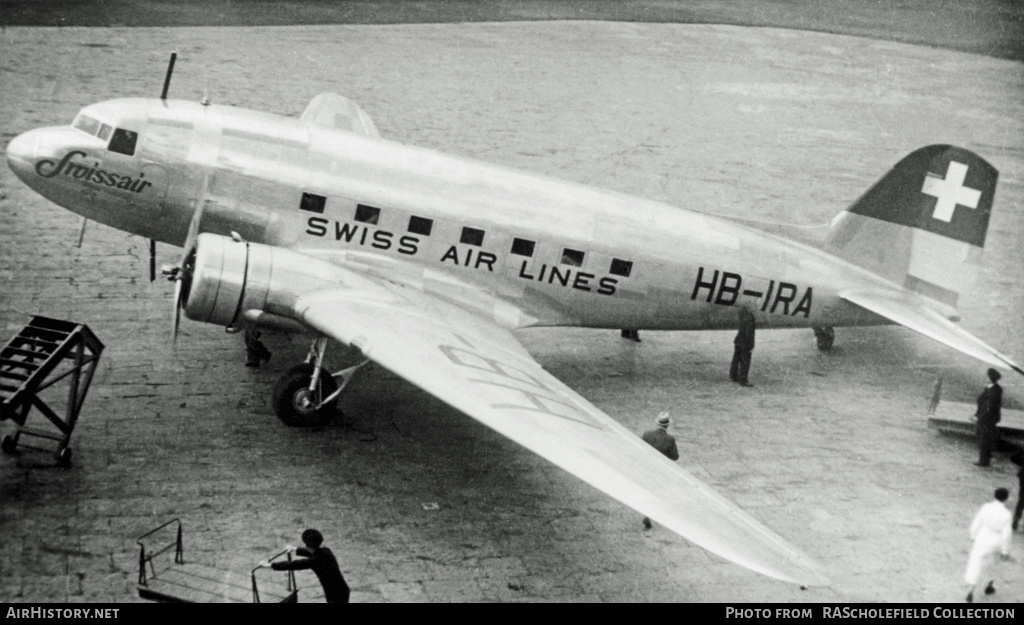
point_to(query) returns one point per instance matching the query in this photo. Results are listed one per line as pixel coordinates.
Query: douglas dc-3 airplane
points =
(427, 263)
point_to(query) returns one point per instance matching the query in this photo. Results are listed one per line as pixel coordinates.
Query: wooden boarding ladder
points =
(43, 353)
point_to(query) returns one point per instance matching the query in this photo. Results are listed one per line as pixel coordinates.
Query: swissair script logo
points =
(81, 170)
(950, 191)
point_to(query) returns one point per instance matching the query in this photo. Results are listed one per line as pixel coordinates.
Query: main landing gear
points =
(826, 336)
(307, 395)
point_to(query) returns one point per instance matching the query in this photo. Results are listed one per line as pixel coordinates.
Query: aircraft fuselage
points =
(564, 253)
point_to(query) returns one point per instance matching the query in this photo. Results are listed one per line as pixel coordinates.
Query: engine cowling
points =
(226, 276)
(231, 283)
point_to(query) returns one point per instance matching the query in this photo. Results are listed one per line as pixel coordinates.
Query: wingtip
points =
(809, 575)
(817, 579)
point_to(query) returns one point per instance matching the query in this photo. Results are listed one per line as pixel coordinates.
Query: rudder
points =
(923, 225)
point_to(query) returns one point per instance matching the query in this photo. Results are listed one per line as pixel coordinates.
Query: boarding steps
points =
(173, 580)
(44, 353)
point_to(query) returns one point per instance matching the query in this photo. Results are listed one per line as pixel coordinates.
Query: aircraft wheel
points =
(7, 444)
(826, 336)
(64, 457)
(294, 404)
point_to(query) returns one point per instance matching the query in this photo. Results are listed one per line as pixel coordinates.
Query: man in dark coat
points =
(660, 439)
(322, 562)
(255, 351)
(744, 347)
(990, 404)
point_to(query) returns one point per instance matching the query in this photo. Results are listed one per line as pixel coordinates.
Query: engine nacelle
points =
(233, 282)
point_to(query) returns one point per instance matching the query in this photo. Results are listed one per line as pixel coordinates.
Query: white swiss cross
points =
(950, 191)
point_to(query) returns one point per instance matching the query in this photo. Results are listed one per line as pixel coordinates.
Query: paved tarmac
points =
(421, 503)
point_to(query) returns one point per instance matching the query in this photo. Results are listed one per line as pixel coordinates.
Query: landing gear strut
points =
(826, 336)
(307, 395)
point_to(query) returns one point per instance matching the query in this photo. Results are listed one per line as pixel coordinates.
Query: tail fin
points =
(923, 224)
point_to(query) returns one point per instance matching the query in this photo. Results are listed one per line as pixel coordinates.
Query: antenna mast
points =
(167, 79)
(152, 242)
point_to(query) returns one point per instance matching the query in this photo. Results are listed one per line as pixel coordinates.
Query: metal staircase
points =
(52, 356)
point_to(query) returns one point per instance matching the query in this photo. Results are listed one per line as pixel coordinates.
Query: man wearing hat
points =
(990, 404)
(660, 439)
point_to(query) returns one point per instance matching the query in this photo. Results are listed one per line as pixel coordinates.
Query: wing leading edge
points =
(908, 310)
(479, 368)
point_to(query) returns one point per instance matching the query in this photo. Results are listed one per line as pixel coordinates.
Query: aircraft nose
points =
(21, 153)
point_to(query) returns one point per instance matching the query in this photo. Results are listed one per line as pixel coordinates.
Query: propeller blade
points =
(177, 310)
(182, 273)
(152, 260)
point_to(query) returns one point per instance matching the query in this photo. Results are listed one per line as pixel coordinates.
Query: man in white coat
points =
(991, 534)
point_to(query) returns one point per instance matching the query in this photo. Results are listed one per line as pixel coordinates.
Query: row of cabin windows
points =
(470, 236)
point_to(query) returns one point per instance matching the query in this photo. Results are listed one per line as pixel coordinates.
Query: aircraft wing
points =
(479, 368)
(331, 109)
(907, 310)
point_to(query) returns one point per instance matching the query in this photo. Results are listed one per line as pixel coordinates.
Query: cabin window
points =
(104, 132)
(313, 203)
(621, 267)
(123, 141)
(472, 236)
(421, 225)
(367, 214)
(573, 258)
(522, 247)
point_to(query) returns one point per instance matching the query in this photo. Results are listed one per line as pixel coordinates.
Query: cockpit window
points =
(86, 124)
(123, 141)
(92, 127)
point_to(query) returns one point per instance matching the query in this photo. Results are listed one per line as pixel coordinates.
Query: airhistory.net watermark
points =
(13, 612)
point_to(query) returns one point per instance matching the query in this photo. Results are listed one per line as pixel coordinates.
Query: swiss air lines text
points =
(460, 256)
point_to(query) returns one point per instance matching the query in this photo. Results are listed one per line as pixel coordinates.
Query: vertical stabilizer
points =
(923, 224)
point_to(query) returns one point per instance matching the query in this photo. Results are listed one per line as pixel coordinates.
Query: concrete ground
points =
(420, 502)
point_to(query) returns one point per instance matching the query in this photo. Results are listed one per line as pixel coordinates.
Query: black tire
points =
(7, 444)
(826, 337)
(64, 457)
(288, 404)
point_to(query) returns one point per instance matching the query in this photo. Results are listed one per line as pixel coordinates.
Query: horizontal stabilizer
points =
(908, 309)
